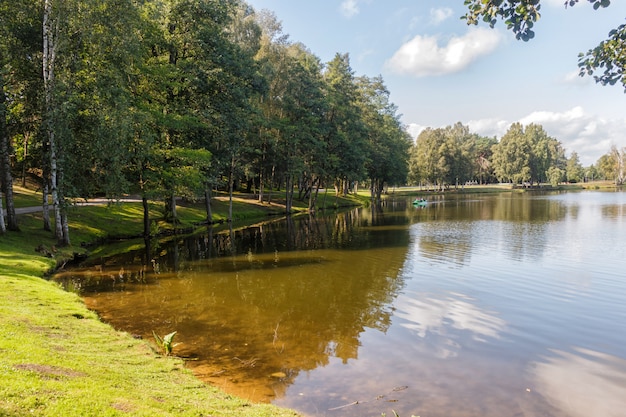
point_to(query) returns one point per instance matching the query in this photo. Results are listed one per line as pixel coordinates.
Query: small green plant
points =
(166, 342)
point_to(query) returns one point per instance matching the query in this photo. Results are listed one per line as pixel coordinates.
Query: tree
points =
(613, 165)
(387, 141)
(574, 170)
(526, 154)
(20, 47)
(52, 21)
(520, 16)
(346, 130)
(481, 154)
(445, 156)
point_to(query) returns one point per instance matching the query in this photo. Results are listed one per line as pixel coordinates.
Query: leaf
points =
(169, 338)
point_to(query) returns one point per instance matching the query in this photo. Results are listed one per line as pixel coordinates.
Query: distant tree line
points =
(525, 155)
(178, 98)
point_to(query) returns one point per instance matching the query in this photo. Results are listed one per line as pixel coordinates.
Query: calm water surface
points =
(505, 305)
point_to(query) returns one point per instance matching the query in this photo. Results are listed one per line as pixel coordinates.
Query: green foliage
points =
(612, 166)
(608, 56)
(526, 154)
(451, 155)
(518, 15)
(387, 141)
(166, 342)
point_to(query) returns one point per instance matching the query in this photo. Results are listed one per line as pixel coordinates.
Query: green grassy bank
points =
(58, 359)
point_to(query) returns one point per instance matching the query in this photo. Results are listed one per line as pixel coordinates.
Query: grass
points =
(58, 359)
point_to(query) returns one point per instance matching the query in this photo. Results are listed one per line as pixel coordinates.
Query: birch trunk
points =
(49, 57)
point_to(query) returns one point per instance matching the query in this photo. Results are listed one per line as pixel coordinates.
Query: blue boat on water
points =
(420, 202)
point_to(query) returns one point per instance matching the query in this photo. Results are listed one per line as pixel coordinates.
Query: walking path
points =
(92, 202)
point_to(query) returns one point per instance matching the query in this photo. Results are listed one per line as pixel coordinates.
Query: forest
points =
(172, 99)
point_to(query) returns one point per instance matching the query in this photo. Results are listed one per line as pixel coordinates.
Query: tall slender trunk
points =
(272, 179)
(25, 145)
(261, 184)
(146, 217)
(313, 194)
(45, 205)
(289, 187)
(49, 57)
(3, 227)
(5, 164)
(65, 227)
(207, 203)
(230, 189)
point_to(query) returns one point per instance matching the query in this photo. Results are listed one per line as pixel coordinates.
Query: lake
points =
(511, 304)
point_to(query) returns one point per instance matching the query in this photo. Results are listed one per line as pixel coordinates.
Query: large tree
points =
(527, 154)
(346, 137)
(20, 41)
(520, 16)
(387, 142)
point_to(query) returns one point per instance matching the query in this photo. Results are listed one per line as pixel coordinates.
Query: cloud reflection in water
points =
(583, 383)
(425, 314)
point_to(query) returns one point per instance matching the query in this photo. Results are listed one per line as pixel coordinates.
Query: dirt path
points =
(92, 202)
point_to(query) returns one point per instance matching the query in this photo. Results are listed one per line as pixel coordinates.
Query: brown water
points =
(506, 305)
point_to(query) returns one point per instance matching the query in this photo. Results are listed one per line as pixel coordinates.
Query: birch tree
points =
(51, 39)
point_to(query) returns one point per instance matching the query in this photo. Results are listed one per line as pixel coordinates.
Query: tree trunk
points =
(170, 209)
(146, 217)
(25, 144)
(313, 195)
(261, 184)
(3, 227)
(272, 179)
(5, 163)
(49, 57)
(207, 203)
(65, 226)
(289, 187)
(45, 205)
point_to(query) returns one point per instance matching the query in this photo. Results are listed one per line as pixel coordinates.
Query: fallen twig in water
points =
(378, 397)
(249, 363)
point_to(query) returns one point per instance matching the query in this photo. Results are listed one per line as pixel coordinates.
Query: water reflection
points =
(582, 382)
(253, 321)
(426, 315)
(446, 310)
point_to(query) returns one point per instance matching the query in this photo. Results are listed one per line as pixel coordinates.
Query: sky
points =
(440, 71)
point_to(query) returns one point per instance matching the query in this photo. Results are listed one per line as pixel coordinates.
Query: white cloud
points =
(414, 130)
(439, 15)
(590, 135)
(349, 8)
(489, 127)
(423, 56)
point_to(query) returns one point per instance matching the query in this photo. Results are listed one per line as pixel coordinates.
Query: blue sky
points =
(440, 71)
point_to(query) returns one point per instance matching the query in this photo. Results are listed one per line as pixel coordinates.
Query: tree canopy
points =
(176, 98)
